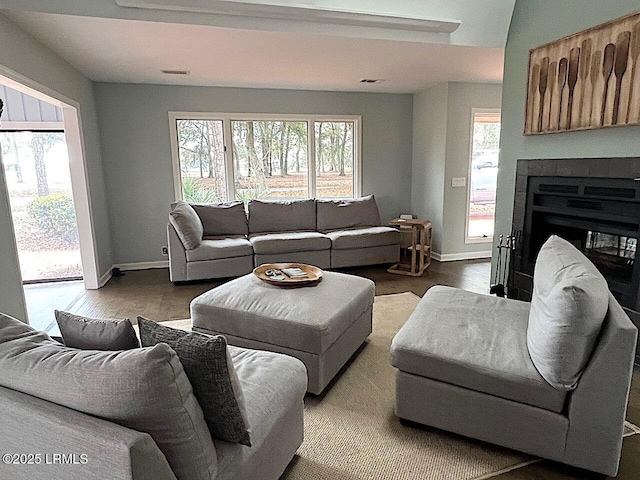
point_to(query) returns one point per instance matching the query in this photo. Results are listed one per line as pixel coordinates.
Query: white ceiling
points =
(135, 51)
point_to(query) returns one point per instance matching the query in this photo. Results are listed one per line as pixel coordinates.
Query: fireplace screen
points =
(614, 255)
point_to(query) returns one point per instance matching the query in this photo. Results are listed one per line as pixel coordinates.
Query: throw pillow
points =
(210, 370)
(144, 389)
(570, 300)
(94, 334)
(187, 224)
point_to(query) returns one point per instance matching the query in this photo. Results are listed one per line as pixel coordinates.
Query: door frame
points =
(74, 137)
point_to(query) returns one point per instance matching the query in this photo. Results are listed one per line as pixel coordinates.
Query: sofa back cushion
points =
(145, 389)
(219, 219)
(187, 224)
(569, 303)
(281, 216)
(351, 213)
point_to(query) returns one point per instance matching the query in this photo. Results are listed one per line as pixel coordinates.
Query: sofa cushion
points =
(364, 237)
(187, 224)
(215, 248)
(569, 302)
(270, 243)
(473, 341)
(210, 370)
(273, 385)
(281, 216)
(94, 334)
(220, 219)
(145, 389)
(351, 213)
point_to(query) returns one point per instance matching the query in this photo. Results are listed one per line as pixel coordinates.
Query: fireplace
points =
(592, 203)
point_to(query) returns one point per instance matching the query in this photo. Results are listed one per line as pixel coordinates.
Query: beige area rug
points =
(351, 433)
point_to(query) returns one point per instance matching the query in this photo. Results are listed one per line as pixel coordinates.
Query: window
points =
(483, 175)
(221, 157)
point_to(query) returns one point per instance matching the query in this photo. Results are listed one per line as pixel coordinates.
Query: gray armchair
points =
(465, 365)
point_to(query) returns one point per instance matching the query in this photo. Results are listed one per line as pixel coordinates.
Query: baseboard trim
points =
(454, 257)
(105, 278)
(142, 265)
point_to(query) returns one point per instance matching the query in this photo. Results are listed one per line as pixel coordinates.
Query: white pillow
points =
(569, 303)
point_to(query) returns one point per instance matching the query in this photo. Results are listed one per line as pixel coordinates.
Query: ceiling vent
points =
(176, 72)
(371, 80)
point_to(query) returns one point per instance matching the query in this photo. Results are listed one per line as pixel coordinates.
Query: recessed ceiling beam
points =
(299, 12)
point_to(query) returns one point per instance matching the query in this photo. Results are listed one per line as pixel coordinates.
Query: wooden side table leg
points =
(423, 232)
(414, 244)
(429, 242)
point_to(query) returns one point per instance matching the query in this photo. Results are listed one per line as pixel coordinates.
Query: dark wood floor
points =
(150, 293)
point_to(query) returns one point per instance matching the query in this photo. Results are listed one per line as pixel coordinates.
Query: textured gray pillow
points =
(187, 224)
(570, 300)
(210, 370)
(219, 219)
(144, 389)
(352, 213)
(94, 334)
(281, 216)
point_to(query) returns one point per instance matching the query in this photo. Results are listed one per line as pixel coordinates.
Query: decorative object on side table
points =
(289, 274)
(597, 68)
(420, 247)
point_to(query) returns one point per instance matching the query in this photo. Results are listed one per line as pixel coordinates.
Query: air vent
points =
(610, 192)
(371, 80)
(175, 72)
(550, 188)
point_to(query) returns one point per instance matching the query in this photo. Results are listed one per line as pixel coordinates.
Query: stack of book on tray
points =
(294, 272)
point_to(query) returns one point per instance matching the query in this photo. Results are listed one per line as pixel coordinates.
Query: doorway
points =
(44, 169)
(36, 168)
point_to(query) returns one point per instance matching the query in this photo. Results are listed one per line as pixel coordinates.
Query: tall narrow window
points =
(202, 162)
(220, 157)
(334, 159)
(483, 175)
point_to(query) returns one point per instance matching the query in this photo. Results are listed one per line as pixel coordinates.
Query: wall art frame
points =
(587, 80)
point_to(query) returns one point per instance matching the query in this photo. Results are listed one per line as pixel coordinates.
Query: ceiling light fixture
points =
(176, 72)
(371, 80)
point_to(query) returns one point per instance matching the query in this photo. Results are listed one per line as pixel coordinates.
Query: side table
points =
(420, 247)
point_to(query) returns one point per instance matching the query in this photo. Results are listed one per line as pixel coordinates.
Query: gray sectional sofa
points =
(550, 378)
(132, 415)
(221, 240)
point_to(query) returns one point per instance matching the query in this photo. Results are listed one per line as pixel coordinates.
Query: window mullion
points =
(227, 136)
(311, 157)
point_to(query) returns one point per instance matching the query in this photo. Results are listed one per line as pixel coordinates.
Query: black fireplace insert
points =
(593, 203)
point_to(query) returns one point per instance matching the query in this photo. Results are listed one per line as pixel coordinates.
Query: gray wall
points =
(134, 128)
(429, 155)
(22, 55)
(441, 143)
(534, 23)
(463, 97)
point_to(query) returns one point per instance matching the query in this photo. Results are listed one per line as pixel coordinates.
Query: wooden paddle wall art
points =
(587, 80)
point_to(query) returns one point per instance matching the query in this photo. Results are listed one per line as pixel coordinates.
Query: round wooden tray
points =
(314, 275)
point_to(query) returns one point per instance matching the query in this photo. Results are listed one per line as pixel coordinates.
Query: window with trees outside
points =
(483, 176)
(226, 157)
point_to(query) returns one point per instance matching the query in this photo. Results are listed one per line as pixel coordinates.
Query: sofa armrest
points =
(597, 407)
(91, 448)
(177, 256)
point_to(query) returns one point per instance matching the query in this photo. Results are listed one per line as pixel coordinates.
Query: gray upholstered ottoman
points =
(323, 325)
